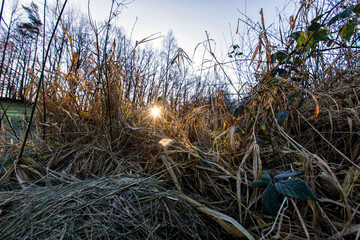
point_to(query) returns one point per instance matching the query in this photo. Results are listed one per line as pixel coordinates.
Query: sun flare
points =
(155, 112)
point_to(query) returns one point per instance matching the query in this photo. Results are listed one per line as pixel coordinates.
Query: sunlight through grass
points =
(155, 112)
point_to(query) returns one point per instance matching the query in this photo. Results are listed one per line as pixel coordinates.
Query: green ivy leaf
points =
(286, 175)
(270, 199)
(265, 176)
(281, 117)
(260, 183)
(348, 30)
(295, 188)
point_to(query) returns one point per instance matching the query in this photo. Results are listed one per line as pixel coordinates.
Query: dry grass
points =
(107, 208)
(98, 171)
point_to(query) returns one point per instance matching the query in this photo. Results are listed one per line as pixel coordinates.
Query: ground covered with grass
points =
(14, 116)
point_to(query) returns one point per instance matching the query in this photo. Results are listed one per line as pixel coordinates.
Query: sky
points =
(188, 19)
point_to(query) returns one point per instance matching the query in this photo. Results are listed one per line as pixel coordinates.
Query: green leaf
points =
(320, 35)
(260, 142)
(280, 71)
(302, 39)
(238, 110)
(295, 35)
(280, 55)
(265, 176)
(298, 61)
(348, 30)
(286, 175)
(346, 13)
(357, 9)
(314, 26)
(166, 159)
(291, 98)
(333, 19)
(329, 43)
(281, 117)
(263, 126)
(273, 58)
(317, 18)
(301, 103)
(295, 188)
(250, 124)
(270, 199)
(260, 183)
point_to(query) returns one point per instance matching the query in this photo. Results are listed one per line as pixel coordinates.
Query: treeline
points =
(83, 56)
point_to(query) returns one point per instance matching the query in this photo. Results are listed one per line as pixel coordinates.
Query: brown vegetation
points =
(102, 167)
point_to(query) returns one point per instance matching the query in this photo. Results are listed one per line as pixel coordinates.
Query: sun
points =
(155, 112)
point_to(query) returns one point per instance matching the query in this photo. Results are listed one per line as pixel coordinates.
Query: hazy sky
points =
(189, 19)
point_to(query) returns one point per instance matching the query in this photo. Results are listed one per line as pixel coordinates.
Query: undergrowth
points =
(105, 168)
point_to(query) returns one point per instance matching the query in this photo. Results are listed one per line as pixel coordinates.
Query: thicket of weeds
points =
(108, 169)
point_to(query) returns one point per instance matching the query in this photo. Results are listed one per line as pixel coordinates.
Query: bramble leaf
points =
(265, 176)
(295, 188)
(259, 183)
(286, 175)
(270, 199)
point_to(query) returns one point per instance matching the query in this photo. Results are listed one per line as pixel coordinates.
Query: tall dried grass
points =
(200, 176)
